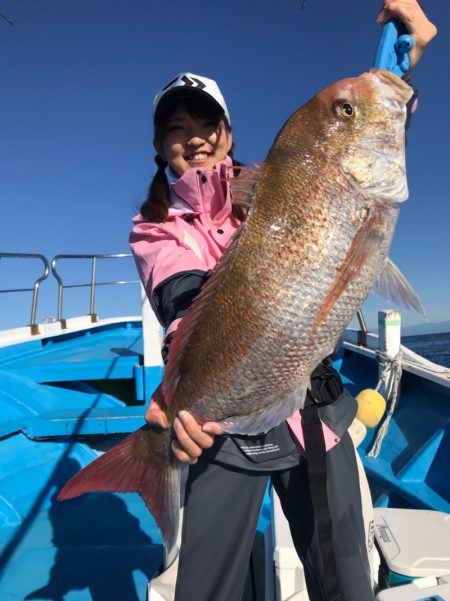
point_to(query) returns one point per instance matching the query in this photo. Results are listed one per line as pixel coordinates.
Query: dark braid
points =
(156, 205)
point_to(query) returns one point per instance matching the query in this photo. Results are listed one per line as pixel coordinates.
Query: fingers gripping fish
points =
(322, 215)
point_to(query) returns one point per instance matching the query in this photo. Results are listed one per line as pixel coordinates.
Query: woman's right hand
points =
(192, 437)
(410, 12)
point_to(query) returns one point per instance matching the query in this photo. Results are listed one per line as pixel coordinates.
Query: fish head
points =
(370, 114)
(374, 160)
(355, 130)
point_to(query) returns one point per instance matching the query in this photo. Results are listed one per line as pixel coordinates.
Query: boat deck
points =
(412, 467)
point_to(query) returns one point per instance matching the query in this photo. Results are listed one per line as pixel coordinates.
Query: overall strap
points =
(316, 459)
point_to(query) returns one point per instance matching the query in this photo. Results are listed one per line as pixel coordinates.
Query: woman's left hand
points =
(415, 21)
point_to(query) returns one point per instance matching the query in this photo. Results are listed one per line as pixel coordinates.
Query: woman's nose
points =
(195, 140)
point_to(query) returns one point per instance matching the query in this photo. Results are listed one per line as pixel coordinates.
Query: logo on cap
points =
(194, 82)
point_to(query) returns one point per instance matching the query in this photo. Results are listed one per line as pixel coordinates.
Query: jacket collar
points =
(185, 195)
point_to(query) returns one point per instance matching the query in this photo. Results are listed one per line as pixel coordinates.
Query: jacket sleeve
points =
(174, 296)
(160, 256)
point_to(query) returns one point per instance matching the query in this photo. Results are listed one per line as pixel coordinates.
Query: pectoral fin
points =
(393, 286)
(365, 242)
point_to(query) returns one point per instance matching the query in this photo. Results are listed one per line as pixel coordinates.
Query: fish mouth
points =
(395, 92)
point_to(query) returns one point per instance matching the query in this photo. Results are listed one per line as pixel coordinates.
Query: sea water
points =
(435, 347)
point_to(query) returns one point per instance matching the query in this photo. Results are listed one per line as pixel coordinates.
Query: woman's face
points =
(193, 142)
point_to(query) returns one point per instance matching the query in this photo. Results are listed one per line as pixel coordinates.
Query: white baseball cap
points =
(188, 82)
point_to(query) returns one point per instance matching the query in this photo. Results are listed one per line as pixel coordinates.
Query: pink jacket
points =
(181, 244)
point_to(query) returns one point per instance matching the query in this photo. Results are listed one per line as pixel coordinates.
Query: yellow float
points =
(371, 407)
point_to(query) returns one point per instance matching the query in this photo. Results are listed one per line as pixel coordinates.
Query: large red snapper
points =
(323, 210)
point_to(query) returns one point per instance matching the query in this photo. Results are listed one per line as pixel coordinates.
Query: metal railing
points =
(363, 329)
(35, 288)
(92, 284)
(362, 334)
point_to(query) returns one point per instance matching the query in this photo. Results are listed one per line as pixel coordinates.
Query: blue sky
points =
(78, 81)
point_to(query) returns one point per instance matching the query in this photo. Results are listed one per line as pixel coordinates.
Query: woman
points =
(185, 226)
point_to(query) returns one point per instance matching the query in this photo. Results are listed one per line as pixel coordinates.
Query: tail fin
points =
(141, 463)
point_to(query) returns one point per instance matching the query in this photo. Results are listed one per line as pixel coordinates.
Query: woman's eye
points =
(209, 125)
(171, 128)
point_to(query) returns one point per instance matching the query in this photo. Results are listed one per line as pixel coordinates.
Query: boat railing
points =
(93, 284)
(363, 329)
(36, 286)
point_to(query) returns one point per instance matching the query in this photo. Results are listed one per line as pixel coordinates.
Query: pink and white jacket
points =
(194, 237)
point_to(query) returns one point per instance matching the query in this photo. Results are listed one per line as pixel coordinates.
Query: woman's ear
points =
(229, 141)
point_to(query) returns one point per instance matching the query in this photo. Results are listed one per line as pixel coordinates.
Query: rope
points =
(390, 377)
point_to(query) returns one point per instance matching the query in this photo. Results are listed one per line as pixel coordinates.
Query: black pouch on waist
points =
(273, 444)
(326, 384)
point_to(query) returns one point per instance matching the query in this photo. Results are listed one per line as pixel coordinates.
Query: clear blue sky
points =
(78, 81)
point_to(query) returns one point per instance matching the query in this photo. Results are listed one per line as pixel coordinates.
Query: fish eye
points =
(345, 109)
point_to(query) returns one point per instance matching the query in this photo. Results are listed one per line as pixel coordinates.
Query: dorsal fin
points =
(243, 185)
(193, 318)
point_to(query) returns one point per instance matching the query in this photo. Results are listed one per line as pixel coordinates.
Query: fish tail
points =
(141, 463)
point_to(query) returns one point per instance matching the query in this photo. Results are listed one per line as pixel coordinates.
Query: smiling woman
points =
(191, 130)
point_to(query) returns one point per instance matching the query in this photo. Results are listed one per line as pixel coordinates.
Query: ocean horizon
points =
(435, 347)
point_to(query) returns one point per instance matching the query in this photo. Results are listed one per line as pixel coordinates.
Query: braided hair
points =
(156, 206)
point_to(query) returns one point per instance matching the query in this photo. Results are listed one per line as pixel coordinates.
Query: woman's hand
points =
(155, 415)
(192, 438)
(415, 21)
